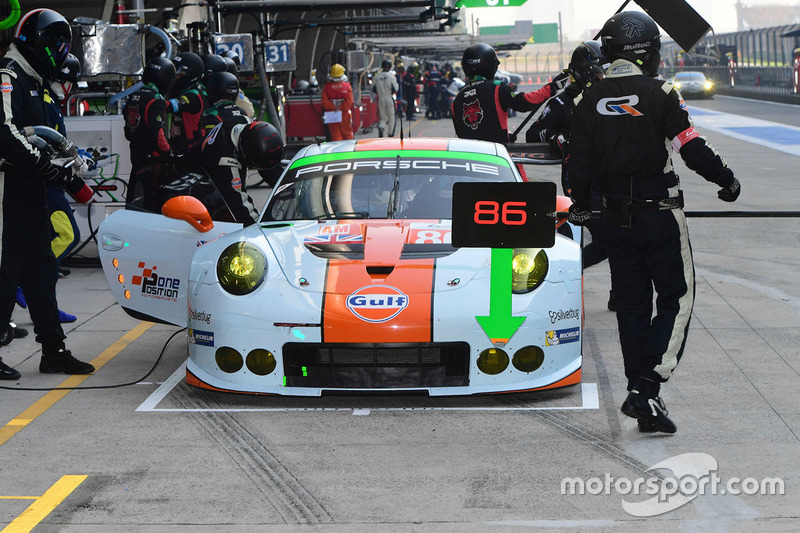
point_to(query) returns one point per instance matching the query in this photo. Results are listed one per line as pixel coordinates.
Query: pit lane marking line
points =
(589, 400)
(49, 400)
(42, 505)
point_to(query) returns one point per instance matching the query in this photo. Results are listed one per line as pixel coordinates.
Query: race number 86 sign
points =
(504, 215)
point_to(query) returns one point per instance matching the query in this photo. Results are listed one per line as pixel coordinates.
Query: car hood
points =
(364, 252)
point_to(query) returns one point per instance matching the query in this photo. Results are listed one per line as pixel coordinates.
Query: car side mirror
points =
(191, 210)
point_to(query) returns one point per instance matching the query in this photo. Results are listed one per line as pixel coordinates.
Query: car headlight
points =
(529, 268)
(677, 85)
(708, 85)
(241, 268)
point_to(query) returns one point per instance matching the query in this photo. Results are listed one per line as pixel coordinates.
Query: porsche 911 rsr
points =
(350, 281)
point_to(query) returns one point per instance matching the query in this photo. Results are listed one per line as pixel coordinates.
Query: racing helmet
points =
(222, 86)
(337, 71)
(480, 60)
(188, 69)
(160, 71)
(44, 38)
(230, 65)
(634, 36)
(212, 63)
(260, 145)
(585, 65)
(70, 71)
(386, 64)
(233, 56)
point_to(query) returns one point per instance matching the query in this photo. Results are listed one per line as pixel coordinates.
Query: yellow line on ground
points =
(44, 505)
(49, 399)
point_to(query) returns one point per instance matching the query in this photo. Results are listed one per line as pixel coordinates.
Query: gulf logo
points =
(6, 87)
(377, 303)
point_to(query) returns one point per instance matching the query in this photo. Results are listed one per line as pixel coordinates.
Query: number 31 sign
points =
(504, 215)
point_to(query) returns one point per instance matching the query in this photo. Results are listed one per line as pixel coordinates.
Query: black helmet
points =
(160, 71)
(480, 60)
(213, 63)
(70, 70)
(230, 54)
(586, 64)
(222, 86)
(634, 36)
(188, 68)
(260, 145)
(386, 64)
(230, 65)
(44, 37)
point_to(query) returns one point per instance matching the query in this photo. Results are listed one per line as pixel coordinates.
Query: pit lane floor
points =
(161, 456)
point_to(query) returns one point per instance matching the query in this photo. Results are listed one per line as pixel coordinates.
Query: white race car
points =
(349, 282)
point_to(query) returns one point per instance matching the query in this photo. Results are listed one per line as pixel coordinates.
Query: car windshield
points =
(690, 76)
(373, 187)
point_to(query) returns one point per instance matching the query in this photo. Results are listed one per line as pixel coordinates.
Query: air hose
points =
(13, 17)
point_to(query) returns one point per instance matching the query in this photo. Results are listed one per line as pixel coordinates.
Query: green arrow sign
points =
(500, 326)
(490, 3)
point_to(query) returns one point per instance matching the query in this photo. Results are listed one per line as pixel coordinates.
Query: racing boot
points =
(6, 334)
(21, 298)
(380, 132)
(19, 332)
(644, 404)
(8, 373)
(66, 317)
(645, 426)
(62, 361)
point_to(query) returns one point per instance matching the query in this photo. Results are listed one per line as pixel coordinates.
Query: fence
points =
(541, 64)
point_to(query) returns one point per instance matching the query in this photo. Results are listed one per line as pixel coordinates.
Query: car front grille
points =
(377, 366)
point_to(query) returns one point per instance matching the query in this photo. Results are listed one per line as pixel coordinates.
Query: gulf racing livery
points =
(349, 280)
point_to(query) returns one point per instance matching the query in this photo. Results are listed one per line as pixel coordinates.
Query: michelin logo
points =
(201, 338)
(562, 336)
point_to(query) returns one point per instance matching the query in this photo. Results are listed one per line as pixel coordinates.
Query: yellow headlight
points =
(492, 361)
(260, 362)
(241, 268)
(708, 84)
(529, 268)
(677, 85)
(228, 359)
(242, 265)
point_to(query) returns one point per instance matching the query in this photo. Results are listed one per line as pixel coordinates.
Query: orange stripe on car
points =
(406, 144)
(380, 299)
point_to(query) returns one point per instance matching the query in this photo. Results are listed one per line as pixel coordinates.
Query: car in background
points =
(349, 281)
(692, 84)
(516, 79)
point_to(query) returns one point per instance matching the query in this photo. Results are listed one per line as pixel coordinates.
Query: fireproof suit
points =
(480, 109)
(26, 259)
(218, 155)
(385, 85)
(188, 110)
(338, 95)
(553, 126)
(621, 130)
(66, 233)
(145, 119)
